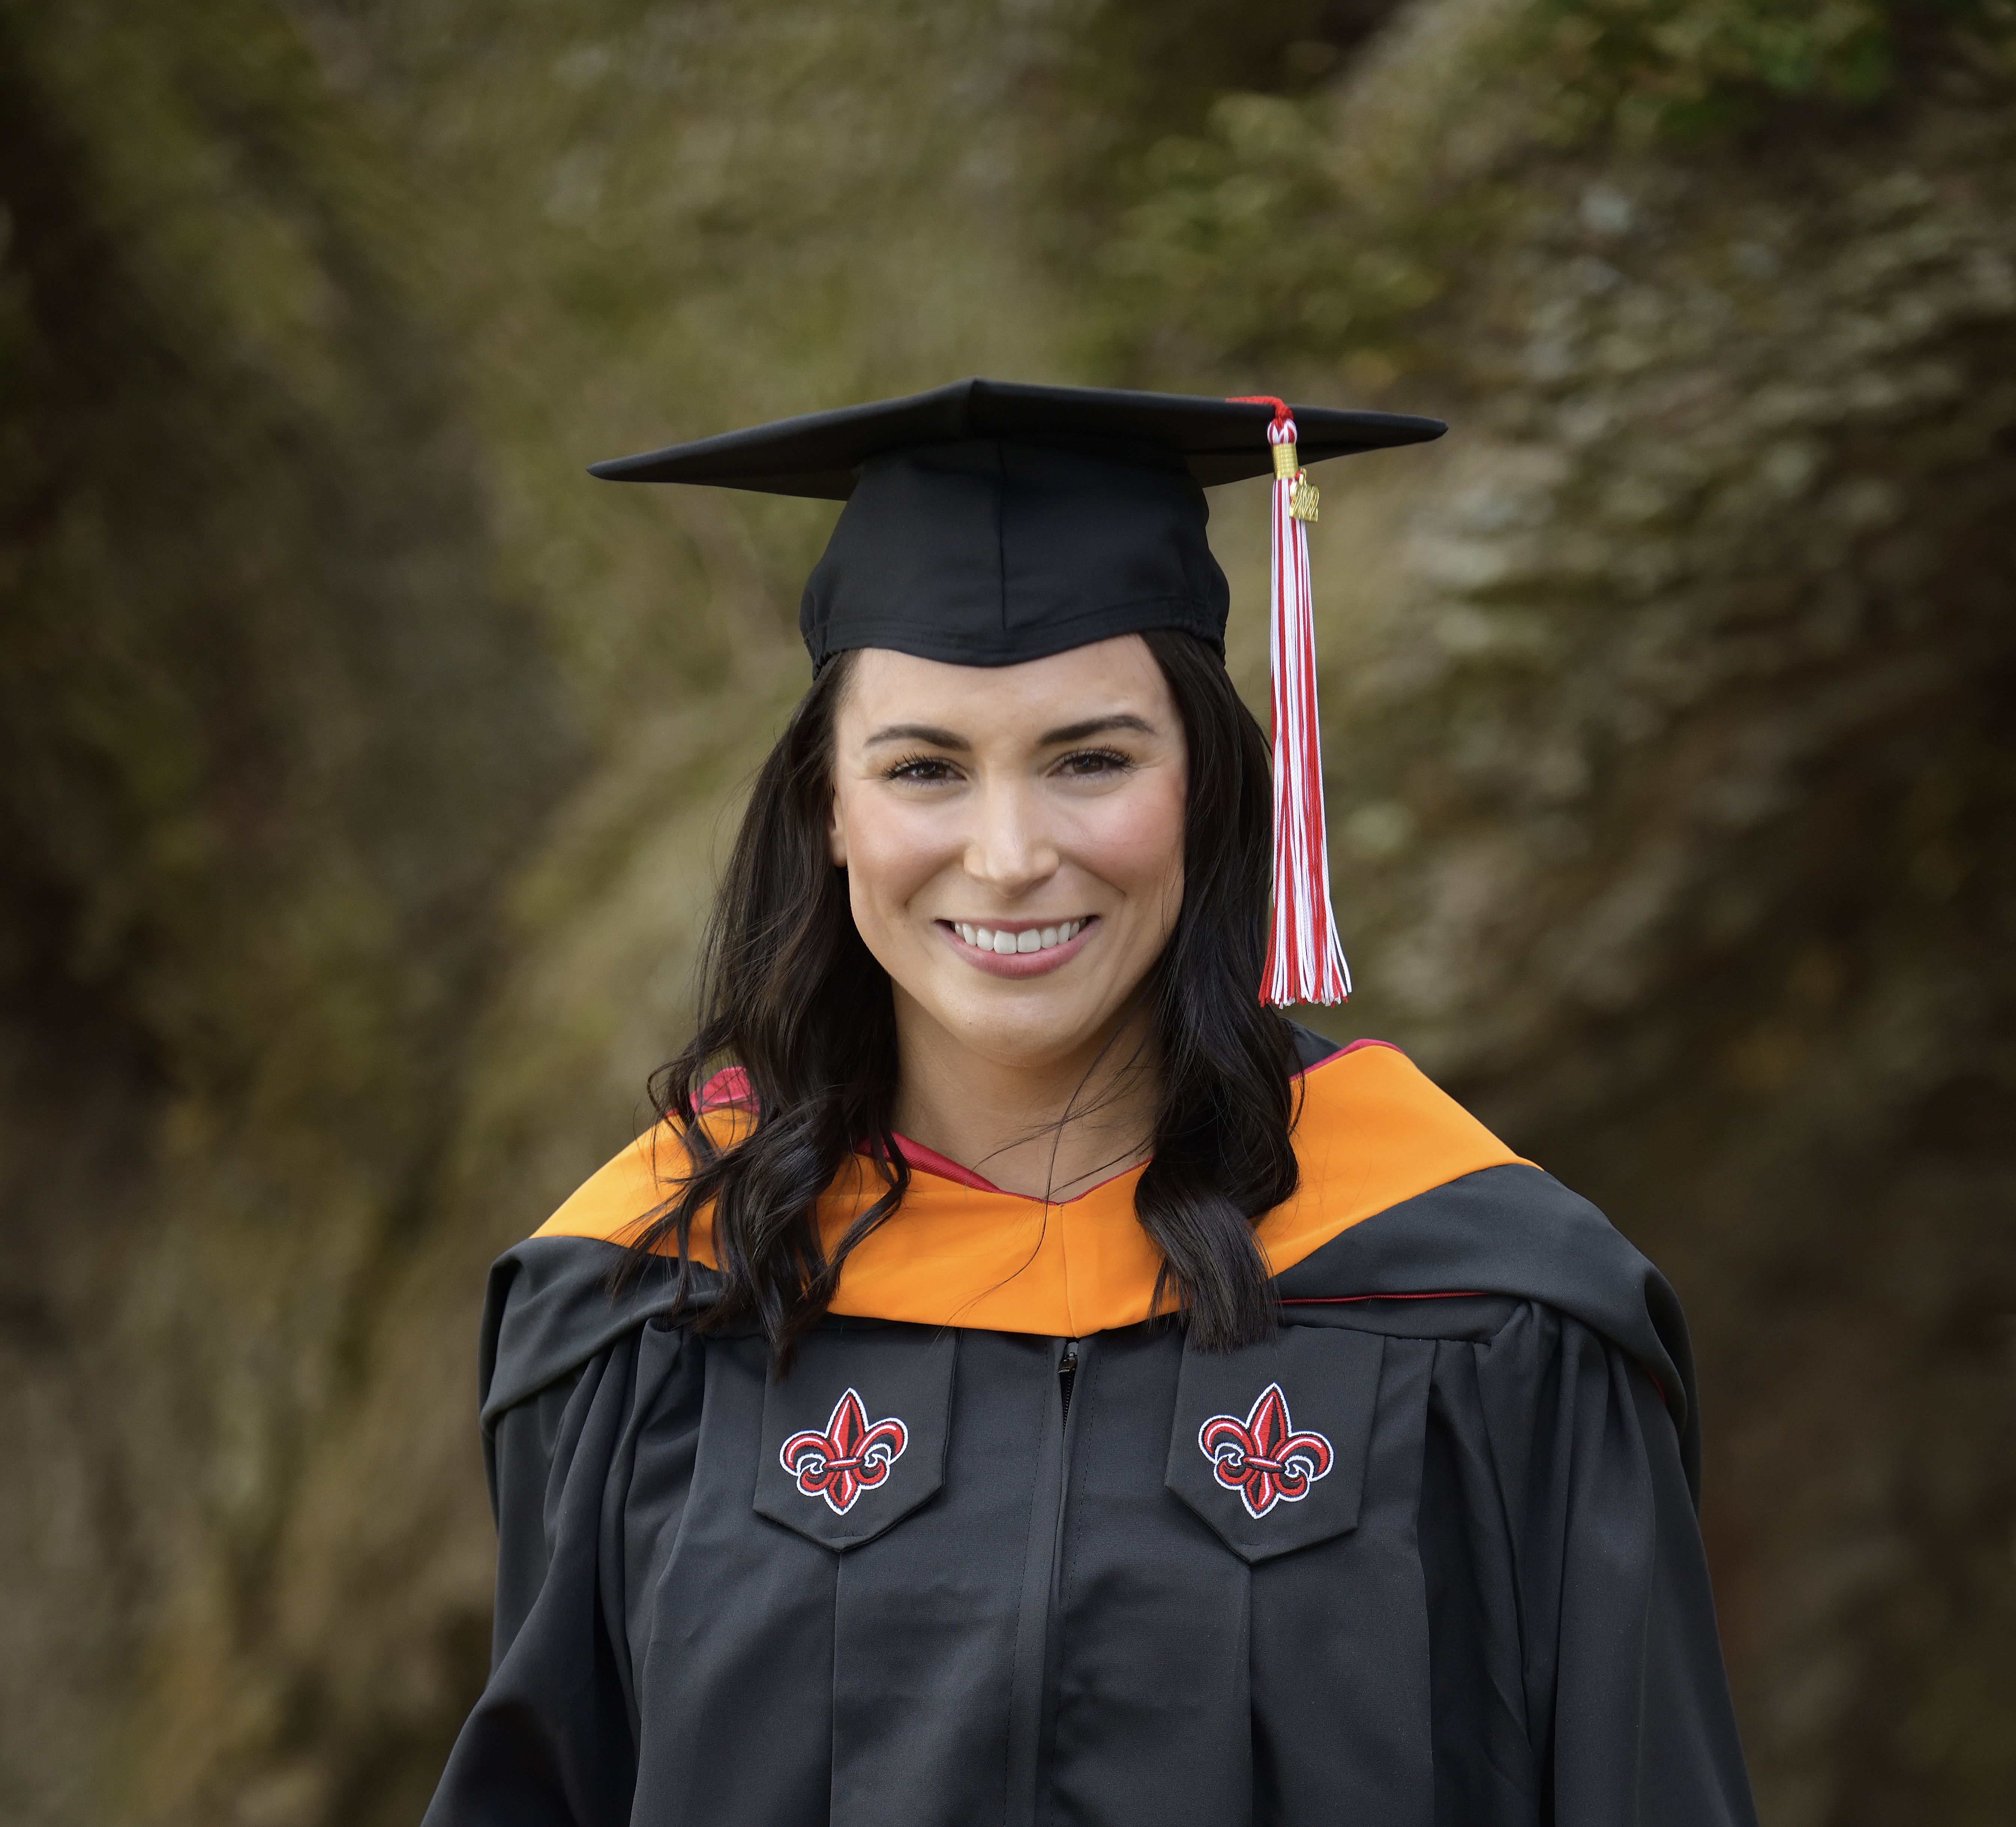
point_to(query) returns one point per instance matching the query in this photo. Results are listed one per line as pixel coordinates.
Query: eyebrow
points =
(939, 738)
(1098, 726)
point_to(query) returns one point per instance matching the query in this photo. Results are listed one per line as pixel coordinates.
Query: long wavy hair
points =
(790, 994)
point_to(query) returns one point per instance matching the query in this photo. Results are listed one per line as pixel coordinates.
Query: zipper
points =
(1029, 1695)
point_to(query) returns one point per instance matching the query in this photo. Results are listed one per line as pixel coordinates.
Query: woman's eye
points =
(926, 768)
(1092, 764)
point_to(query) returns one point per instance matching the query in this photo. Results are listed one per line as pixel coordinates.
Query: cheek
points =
(1135, 841)
(892, 852)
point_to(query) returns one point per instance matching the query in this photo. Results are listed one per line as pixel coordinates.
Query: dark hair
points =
(790, 994)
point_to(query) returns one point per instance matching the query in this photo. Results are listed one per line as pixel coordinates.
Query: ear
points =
(836, 832)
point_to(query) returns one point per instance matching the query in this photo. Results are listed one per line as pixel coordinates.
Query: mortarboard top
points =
(820, 454)
(989, 522)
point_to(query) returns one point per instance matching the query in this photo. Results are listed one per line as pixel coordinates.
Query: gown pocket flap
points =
(853, 1434)
(1268, 1444)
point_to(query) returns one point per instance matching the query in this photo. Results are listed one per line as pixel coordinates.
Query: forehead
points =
(1108, 678)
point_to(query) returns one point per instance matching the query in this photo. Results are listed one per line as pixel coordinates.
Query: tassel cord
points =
(1306, 962)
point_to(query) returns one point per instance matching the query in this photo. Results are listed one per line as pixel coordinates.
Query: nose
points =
(1009, 847)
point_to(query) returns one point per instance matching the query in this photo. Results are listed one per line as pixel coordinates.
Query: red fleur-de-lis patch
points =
(853, 1455)
(1262, 1457)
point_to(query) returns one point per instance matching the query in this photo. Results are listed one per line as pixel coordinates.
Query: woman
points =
(1024, 1378)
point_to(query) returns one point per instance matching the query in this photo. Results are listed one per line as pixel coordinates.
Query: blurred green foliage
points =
(1695, 68)
(245, 588)
(1243, 239)
(270, 740)
(1692, 66)
(1264, 233)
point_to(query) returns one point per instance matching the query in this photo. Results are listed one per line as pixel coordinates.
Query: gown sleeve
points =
(552, 1741)
(1577, 1675)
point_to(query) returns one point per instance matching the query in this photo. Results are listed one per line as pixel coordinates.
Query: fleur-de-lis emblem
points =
(851, 1457)
(1262, 1457)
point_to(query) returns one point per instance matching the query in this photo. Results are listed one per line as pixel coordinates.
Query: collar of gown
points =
(1373, 1130)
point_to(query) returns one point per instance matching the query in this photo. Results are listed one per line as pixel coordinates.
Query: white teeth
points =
(985, 938)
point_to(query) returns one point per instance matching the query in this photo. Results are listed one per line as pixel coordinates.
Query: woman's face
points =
(1013, 839)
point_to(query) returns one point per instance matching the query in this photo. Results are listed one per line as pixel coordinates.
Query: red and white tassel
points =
(1305, 957)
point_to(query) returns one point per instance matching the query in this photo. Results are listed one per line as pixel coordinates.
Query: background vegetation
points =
(362, 766)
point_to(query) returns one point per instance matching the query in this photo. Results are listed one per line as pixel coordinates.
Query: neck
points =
(1049, 1131)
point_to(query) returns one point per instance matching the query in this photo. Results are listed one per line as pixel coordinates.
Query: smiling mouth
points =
(1030, 939)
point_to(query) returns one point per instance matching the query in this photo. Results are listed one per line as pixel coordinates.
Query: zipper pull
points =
(1068, 1373)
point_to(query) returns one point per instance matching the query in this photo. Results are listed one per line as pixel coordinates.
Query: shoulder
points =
(1506, 1228)
(617, 1202)
(1369, 1102)
(1466, 1217)
(553, 1301)
(1412, 1194)
(1371, 1131)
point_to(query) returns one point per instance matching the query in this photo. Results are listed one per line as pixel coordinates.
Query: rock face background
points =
(365, 766)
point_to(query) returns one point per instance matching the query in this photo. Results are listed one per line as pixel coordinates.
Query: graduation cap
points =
(991, 522)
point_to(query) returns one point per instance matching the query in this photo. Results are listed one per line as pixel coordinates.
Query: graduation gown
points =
(1001, 1547)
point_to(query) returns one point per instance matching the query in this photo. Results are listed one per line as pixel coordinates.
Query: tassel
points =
(1304, 958)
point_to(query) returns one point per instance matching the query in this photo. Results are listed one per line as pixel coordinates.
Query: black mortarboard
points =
(991, 522)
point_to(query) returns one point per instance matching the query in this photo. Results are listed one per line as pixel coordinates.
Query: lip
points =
(1019, 963)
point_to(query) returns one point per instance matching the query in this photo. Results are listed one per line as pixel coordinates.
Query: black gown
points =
(1428, 1558)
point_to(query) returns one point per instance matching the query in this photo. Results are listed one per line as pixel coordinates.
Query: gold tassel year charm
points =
(1305, 498)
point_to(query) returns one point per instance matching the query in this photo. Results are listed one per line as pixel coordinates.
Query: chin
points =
(1005, 1028)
